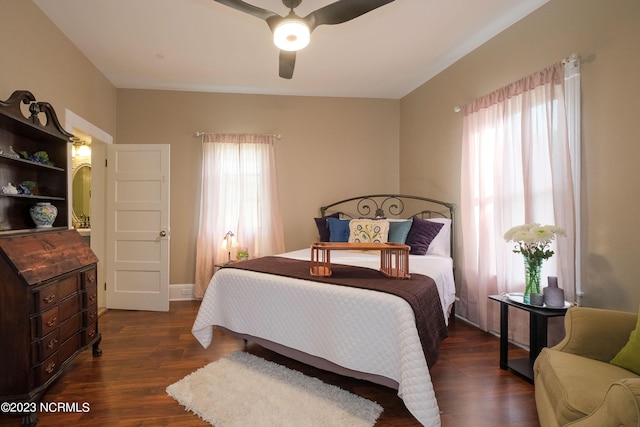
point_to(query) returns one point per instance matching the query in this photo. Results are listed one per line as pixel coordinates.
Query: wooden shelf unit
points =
(30, 131)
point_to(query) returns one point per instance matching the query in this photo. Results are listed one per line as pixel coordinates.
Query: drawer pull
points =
(50, 367)
(91, 278)
(93, 297)
(92, 333)
(92, 315)
(52, 321)
(49, 299)
(52, 343)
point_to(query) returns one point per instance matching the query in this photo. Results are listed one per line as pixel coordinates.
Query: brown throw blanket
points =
(419, 291)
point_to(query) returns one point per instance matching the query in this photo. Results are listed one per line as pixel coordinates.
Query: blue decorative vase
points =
(43, 214)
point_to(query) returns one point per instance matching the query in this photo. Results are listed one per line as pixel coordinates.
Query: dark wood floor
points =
(144, 352)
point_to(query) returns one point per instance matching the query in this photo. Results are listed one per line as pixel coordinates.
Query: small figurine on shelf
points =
(26, 187)
(9, 189)
(37, 157)
(12, 153)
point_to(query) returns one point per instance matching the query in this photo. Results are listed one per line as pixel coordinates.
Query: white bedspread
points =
(363, 330)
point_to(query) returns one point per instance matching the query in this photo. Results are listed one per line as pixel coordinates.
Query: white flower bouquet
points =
(533, 240)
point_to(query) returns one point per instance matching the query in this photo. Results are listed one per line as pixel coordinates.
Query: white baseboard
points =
(181, 292)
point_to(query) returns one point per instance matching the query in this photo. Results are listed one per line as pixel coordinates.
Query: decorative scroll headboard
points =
(393, 206)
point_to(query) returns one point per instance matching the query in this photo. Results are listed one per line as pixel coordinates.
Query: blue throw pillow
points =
(398, 231)
(338, 229)
(323, 226)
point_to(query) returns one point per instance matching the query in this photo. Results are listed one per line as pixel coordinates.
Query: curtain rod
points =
(276, 135)
(572, 60)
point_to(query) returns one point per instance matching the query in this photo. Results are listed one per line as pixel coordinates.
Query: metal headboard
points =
(394, 206)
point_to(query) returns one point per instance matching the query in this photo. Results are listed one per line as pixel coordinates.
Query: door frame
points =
(101, 140)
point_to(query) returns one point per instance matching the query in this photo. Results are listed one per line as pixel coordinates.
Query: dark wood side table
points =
(538, 317)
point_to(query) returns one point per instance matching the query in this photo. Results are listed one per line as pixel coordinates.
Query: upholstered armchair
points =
(575, 383)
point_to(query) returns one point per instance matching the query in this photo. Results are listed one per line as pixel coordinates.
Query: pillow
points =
(323, 227)
(338, 229)
(368, 231)
(441, 245)
(627, 358)
(398, 230)
(421, 235)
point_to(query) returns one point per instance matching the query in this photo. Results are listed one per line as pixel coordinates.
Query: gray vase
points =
(536, 299)
(553, 295)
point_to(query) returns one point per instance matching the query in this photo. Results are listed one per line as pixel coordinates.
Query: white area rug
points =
(244, 390)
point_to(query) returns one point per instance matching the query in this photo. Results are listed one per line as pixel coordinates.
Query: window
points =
(517, 167)
(239, 194)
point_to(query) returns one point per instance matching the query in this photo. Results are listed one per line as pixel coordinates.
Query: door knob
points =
(163, 233)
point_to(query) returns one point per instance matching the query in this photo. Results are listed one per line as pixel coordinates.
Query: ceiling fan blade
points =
(258, 12)
(342, 11)
(287, 63)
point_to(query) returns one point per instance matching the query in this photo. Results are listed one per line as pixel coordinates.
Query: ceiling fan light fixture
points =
(291, 35)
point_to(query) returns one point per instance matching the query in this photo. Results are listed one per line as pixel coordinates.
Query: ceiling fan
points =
(292, 33)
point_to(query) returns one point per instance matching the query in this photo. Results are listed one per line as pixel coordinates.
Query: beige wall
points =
(606, 35)
(37, 57)
(331, 148)
(412, 144)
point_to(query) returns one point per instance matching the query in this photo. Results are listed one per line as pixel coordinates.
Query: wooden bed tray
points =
(394, 257)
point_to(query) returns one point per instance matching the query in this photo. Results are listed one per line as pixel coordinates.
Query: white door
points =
(138, 227)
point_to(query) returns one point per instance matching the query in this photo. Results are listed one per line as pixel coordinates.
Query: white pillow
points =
(441, 244)
(368, 231)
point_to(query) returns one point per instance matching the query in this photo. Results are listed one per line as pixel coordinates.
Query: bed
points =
(356, 332)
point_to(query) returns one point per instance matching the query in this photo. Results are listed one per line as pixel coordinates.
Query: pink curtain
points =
(239, 194)
(516, 169)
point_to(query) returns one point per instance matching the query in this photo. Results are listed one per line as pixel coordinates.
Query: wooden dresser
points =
(48, 311)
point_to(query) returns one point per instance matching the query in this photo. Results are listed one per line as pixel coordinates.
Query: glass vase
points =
(532, 268)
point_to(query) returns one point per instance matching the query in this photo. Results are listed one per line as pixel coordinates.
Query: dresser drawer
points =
(70, 306)
(45, 323)
(90, 333)
(45, 298)
(90, 278)
(45, 347)
(70, 347)
(69, 286)
(70, 326)
(54, 293)
(91, 294)
(47, 369)
(91, 315)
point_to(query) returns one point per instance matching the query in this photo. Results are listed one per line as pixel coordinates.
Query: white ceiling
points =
(204, 46)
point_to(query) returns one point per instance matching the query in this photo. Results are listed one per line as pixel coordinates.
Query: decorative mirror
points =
(81, 195)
